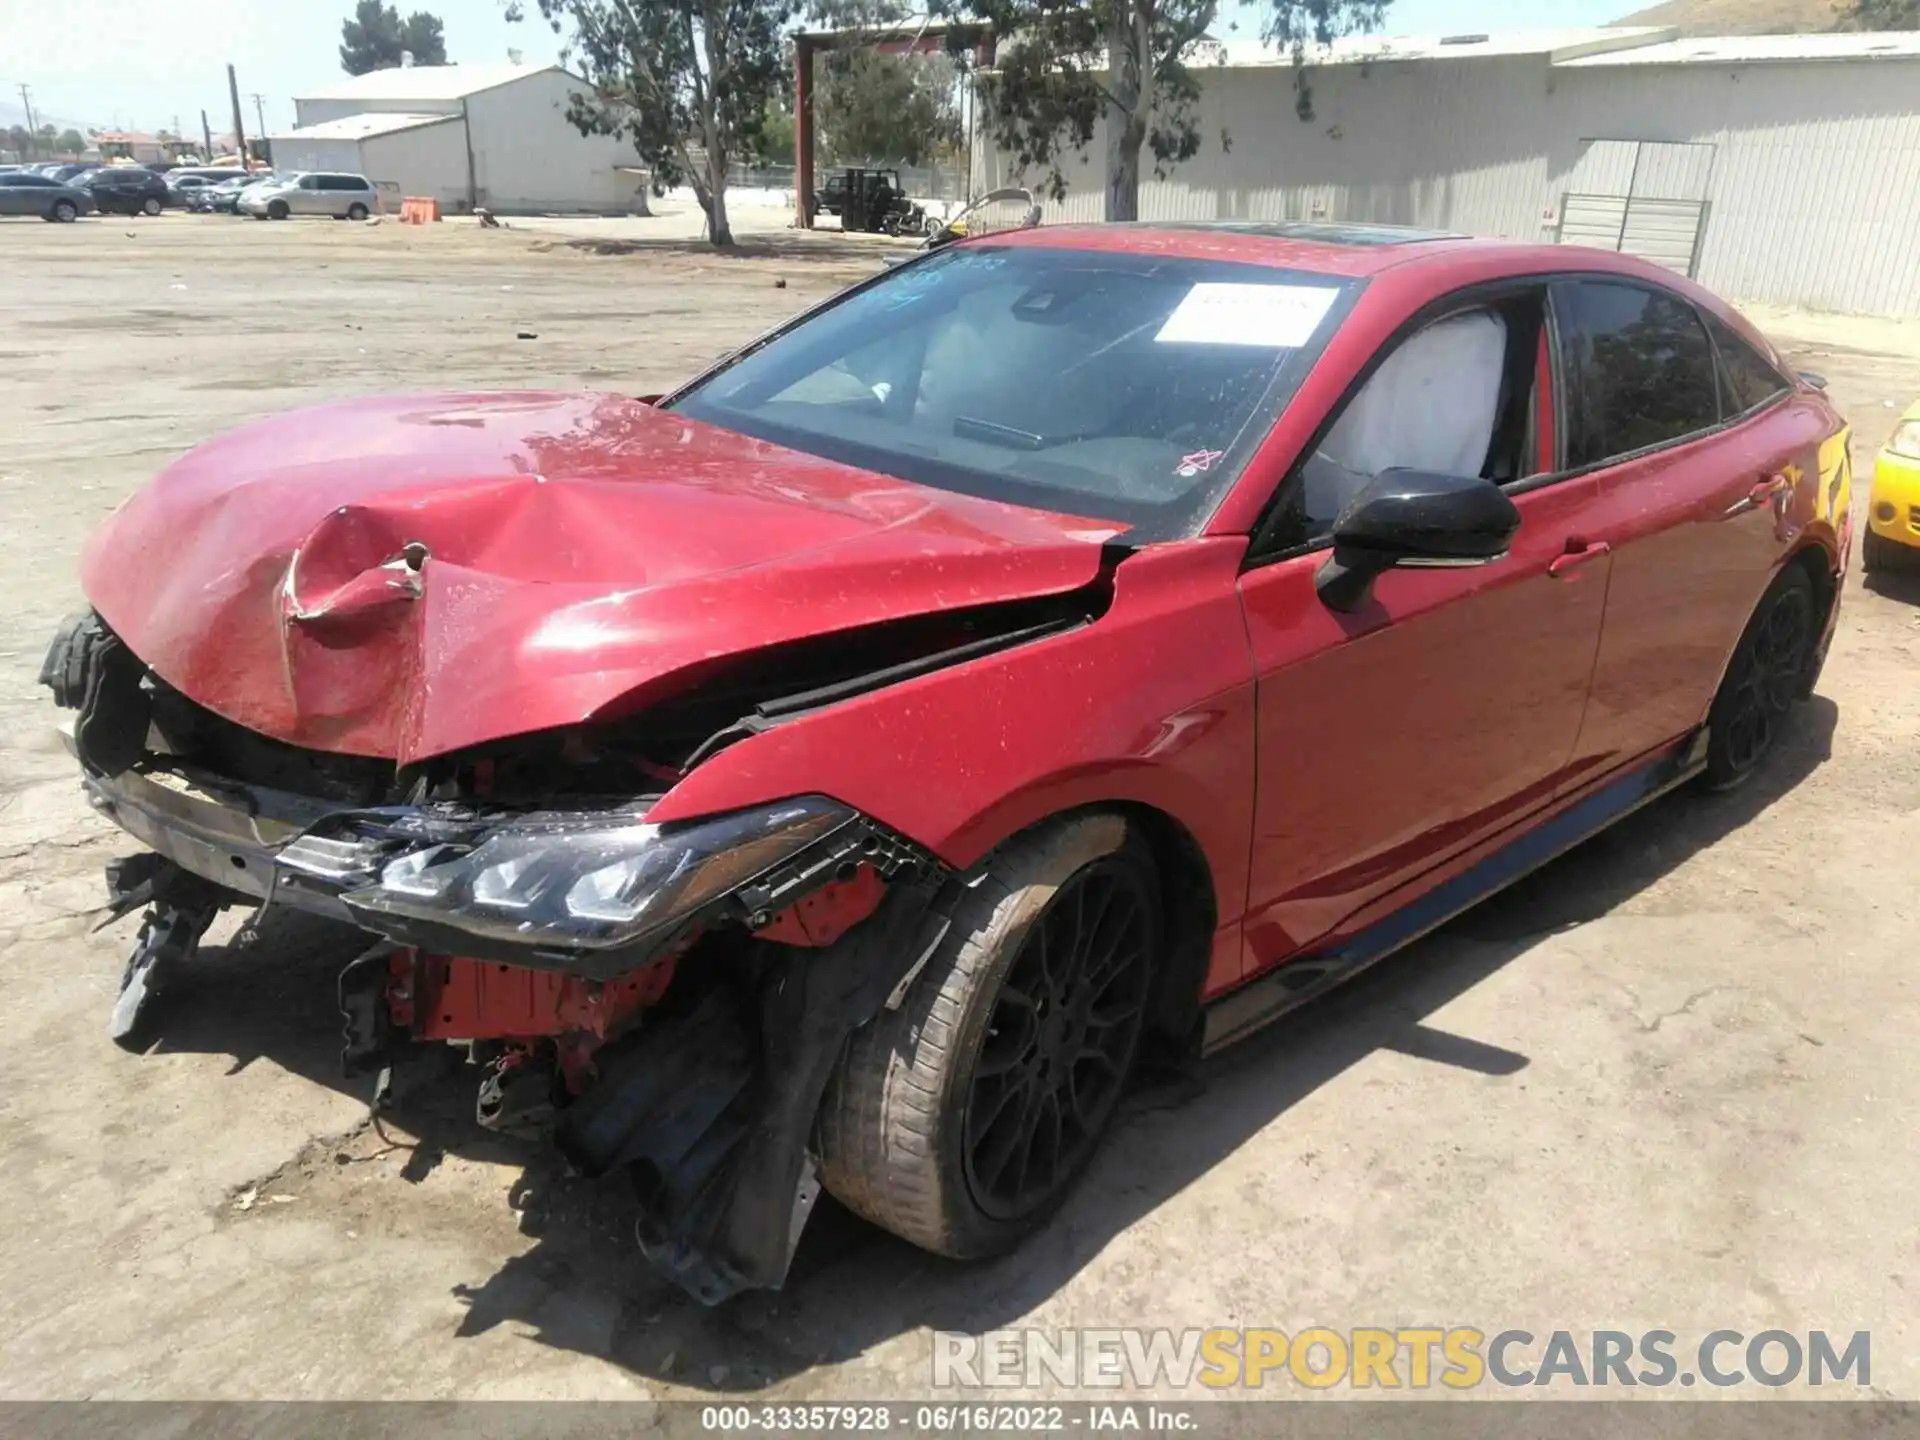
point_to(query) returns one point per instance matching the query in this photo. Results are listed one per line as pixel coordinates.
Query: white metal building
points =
(496, 136)
(1773, 168)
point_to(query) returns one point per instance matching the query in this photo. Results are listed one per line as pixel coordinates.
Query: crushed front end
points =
(664, 999)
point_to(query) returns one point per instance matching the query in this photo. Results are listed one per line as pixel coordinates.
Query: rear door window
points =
(1747, 378)
(1640, 370)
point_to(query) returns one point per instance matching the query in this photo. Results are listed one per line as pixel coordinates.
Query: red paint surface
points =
(1438, 713)
(453, 998)
(589, 552)
(824, 916)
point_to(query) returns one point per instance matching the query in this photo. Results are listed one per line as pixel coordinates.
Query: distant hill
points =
(12, 114)
(1739, 17)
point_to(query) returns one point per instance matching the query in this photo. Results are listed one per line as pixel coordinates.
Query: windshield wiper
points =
(1004, 435)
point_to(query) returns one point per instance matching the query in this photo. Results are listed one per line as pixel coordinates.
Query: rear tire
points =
(150, 207)
(1764, 678)
(278, 210)
(962, 1119)
(64, 212)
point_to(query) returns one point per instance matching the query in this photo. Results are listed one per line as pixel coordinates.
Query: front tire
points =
(278, 210)
(356, 211)
(962, 1119)
(1881, 555)
(1764, 678)
(150, 207)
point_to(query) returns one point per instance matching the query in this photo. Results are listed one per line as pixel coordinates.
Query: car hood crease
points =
(407, 577)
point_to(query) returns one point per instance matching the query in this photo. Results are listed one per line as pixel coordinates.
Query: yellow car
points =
(1892, 538)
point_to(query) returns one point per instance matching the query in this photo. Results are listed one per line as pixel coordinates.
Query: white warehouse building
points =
(1779, 169)
(492, 136)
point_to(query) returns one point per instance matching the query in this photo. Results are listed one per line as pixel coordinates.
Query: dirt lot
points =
(1668, 1082)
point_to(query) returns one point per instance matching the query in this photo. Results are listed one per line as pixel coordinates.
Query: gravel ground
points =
(1666, 1082)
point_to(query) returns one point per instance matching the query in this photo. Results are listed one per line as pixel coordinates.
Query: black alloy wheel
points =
(1060, 1041)
(1767, 675)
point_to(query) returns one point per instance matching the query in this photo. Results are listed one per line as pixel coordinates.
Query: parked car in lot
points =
(1892, 537)
(23, 193)
(126, 189)
(224, 195)
(211, 172)
(1070, 646)
(182, 188)
(343, 197)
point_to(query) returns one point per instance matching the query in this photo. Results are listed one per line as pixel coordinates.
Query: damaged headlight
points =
(586, 882)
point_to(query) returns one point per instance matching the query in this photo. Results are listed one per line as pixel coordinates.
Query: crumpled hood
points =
(406, 577)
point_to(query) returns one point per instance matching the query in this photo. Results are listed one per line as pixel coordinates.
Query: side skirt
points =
(1261, 1001)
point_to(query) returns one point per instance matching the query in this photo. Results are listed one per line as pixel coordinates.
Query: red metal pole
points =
(803, 133)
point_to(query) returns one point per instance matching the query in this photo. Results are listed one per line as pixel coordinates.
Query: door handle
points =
(1568, 565)
(1760, 494)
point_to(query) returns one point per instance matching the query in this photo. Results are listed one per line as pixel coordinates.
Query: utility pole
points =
(239, 131)
(206, 137)
(260, 113)
(33, 135)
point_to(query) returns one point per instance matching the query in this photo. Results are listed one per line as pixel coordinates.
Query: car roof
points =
(1347, 250)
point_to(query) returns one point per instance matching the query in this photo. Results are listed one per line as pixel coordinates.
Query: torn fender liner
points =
(715, 1108)
(408, 577)
(91, 671)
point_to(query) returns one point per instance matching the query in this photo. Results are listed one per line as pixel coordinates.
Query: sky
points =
(116, 63)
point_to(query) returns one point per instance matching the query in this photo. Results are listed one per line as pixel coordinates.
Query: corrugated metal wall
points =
(1397, 143)
(291, 155)
(428, 161)
(1815, 181)
(529, 157)
(318, 112)
(1811, 171)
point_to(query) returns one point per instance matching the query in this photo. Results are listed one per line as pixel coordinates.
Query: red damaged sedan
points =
(1070, 649)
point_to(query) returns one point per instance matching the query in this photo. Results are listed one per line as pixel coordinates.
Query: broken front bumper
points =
(228, 836)
(593, 893)
(709, 1096)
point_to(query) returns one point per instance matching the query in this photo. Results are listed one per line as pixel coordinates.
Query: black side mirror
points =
(1414, 519)
(1819, 382)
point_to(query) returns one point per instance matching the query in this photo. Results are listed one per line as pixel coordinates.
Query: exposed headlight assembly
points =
(581, 882)
(1906, 440)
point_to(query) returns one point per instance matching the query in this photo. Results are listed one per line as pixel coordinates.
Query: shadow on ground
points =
(1900, 585)
(792, 245)
(581, 1285)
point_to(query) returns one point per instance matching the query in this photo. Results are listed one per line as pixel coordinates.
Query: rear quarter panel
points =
(1688, 571)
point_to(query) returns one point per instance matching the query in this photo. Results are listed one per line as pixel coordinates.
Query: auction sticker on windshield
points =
(1273, 316)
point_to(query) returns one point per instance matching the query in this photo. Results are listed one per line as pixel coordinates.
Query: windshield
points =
(1120, 386)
